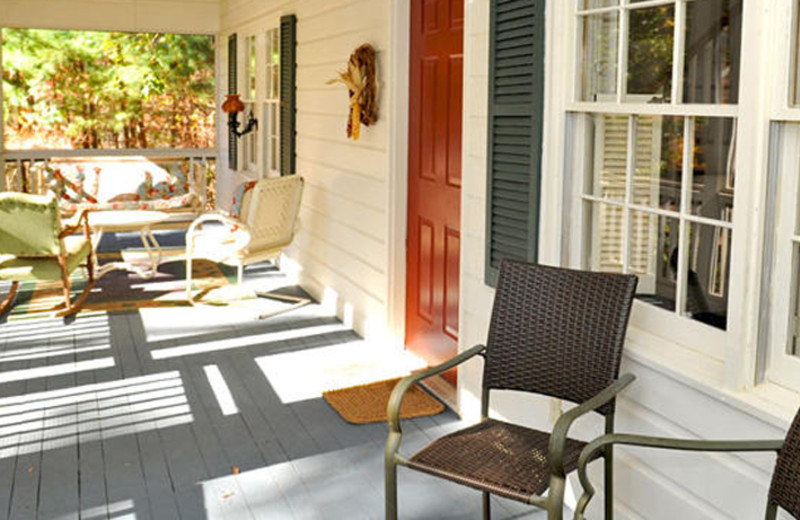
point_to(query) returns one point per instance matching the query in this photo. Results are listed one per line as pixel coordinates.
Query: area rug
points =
(365, 404)
(122, 290)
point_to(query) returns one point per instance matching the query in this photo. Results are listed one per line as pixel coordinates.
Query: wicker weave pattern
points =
(557, 332)
(785, 488)
(504, 459)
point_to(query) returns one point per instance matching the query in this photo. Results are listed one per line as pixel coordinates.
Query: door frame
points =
(397, 185)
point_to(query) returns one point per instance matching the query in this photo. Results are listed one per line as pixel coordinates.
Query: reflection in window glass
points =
(713, 49)
(709, 274)
(794, 326)
(653, 243)
(659, 162)
(599, 62)
(606, 249)
(595, 4)
(611, 142)
(713, 173)
(251, 67)
(650, 50)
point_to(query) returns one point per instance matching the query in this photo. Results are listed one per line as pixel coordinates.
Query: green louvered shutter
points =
(233, 156)
(516, 91)
(288, 92)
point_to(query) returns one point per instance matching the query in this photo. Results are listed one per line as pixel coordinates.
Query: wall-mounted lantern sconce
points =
(232, 106)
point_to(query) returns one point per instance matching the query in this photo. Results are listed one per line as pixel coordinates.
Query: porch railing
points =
(19, 173)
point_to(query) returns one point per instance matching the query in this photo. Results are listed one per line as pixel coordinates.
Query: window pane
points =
(599, 66)
(794, 325)
(713, 168)
(709, 272)
(713, 48)
(606, 238)
(610, 156)
(653, 257)
(794, 96)
(650, 50)
(659, 162)
(594, 4)
(251, 67)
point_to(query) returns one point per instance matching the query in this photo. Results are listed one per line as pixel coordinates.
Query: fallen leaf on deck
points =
(226, 495)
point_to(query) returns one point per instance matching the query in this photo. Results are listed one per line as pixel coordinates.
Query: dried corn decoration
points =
(362, 86)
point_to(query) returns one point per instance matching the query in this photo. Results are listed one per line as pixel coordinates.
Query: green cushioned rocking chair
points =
(34, 246)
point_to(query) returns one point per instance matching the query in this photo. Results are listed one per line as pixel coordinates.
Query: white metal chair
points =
(267, 224)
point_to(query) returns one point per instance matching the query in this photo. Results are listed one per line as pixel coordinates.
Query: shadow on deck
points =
(201, 413)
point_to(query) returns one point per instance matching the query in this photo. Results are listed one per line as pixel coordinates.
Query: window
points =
(655, 116)
(250, 141)
(781, 283)
(272, 103)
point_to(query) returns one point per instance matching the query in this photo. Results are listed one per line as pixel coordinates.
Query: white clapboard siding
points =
(342, 244)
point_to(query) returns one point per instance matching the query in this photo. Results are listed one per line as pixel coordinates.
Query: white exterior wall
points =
(342, 246)
(176, 16)
(676, 393)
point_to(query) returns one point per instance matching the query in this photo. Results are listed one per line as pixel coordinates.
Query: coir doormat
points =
(367, 403)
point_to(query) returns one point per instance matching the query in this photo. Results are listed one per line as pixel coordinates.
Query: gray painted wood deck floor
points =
(114, 416)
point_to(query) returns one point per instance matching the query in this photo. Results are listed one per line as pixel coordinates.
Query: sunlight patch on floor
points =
(58, 418)
(245, 341)
(306, 374)
(221, 390)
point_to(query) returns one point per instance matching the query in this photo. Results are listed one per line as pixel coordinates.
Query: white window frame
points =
(249, 143)
(783, 222)
(699, 337)
(271, 104)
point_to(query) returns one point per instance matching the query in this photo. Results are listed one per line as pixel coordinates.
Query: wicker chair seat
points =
(504, 459)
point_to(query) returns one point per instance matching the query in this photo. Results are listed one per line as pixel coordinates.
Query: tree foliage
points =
(84, 89)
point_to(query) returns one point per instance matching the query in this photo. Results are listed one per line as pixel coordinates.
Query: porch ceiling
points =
(175, 16)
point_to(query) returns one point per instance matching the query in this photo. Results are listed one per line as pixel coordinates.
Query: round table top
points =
(125, 219)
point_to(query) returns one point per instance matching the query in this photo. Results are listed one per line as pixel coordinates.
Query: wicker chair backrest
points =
(785, 488)
(557, 332)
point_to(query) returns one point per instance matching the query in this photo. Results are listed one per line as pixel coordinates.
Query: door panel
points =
(434, 180)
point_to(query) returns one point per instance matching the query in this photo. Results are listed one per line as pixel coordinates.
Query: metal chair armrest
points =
(594, 448)
(212, 217)
(558, 438)
(396, 398)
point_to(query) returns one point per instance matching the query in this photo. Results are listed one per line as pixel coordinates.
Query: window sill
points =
(768, 402)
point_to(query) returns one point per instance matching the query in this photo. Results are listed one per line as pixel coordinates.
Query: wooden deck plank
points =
(296, 460)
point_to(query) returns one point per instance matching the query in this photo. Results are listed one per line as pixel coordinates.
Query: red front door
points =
(434, 179)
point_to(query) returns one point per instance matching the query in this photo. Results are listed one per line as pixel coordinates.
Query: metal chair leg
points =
(608, 467)
(555, 499)
(390, 476)
(391, 489)
(487, 506)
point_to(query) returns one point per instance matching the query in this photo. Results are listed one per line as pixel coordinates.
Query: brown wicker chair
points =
(784, 491)
(553, 331)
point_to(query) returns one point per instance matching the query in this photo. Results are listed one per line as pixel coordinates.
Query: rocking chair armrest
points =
(396, 398)
(594, 448)
(75, 225)
(558, 437)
